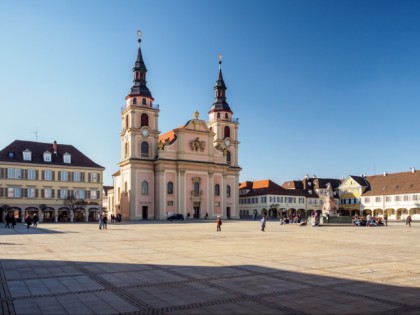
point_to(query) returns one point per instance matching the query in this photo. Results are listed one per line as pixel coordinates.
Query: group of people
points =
(10, 221)
(103, 222)
(116, 218)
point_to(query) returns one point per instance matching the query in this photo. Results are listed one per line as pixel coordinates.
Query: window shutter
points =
(99, 178)
(36, 174)
(71, 176)
(90, 177)
(42, 193)
(53, 175)
(52, 193)
(24, 174)
(2, 172)
(59, 175)
(82, 176)
(43, 175)
(98, 194)
(25, 192)
(1, 191)
(87, 194)
(36, 193)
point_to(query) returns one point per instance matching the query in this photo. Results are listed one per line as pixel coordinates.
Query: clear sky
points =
(326, 88)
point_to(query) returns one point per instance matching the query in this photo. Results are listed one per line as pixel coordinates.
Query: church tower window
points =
(170, 188)
(144, 188)
(227, 132)
(144, 149)
(144, 120)
(218, 115)
(228, 191)
(134, 101)
(144, 101)
(217, 190)
(196, 189)
(228, 157)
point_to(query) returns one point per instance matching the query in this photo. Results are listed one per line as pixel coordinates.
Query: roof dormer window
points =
(27, 155)
(47, 156)
(67, 158)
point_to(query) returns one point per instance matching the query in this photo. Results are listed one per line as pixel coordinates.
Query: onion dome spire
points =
(139, 83)
(220, 103)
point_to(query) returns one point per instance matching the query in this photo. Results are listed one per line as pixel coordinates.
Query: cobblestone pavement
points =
(189, 268)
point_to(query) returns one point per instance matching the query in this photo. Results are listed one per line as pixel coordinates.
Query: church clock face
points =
(145, 132)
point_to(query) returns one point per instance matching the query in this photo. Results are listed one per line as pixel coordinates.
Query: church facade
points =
(192, 169)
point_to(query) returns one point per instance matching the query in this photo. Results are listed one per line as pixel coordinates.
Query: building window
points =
(63, 193)
(27, 155)
(94, 177)
(378, 199)
(76, 176)
(64, 176)
(93, 194)
(144, 101)
(228, 157)
(31, 192)
(134, 101)
(301, 200)
(47, 156)
(227, 132)
(218, 115)
(145, 188)
(144, 149)
(126, 122)
(196, 189)
(228, 191)
(406, 197)
(170, 188)
(367, 200)
(31, 174)
(67, 158)
(47, 193)
(217, 190)
(226, 116)
(48, 175)
(170, 203)
(397, 198)
(79, 193)
(388, 199)
(144, 120)
(414, 197)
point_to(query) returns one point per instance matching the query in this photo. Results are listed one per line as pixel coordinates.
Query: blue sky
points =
(329, 88)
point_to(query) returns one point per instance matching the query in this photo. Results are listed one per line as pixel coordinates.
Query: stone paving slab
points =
(189, 268)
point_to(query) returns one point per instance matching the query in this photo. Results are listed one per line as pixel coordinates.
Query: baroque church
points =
(192, 169)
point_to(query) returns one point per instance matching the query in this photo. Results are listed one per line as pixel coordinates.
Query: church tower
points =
(139, 146)
(222, 123)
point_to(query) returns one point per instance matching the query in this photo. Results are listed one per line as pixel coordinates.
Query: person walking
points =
(100, 221)
(218, 224)
(104, 222)
(386, 219)
(408, 221)
(188, 216)
(35, 220)
(262, 222)
(28, 221)
(8, 220)
(368, 220)
(13, 220)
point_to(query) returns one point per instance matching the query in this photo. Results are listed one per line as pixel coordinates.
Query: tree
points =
(73, 203)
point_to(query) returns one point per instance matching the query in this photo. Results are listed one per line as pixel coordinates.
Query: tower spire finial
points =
(219, 56)
(139, 36)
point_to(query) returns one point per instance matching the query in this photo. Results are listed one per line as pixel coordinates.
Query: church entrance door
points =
(228, 212)
(196, 208)
(144, 212)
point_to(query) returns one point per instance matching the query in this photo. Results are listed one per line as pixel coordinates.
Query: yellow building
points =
(40, 177)
(350, 191)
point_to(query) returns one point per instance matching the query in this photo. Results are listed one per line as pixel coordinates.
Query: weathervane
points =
(139, 36)
(220, 60)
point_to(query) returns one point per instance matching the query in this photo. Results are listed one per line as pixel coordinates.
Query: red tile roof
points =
(393, 184)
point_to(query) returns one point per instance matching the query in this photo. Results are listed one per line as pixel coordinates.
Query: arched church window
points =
(126, 149)
(226, 116)
(196, 189)
(228, 191)
(144, 120)
(228, 157)
(170, 188)
(134, 101)
(217, 190)
(227, 131)
(144, 101)
(144, 188)
(144, 149)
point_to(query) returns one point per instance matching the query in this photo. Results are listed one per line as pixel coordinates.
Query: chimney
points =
(385, 174)
(413, 169)
(55, 147)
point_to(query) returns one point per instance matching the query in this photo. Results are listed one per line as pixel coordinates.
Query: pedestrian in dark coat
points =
(35, 220)
(28, 220)
(218, 224)
(8, 220)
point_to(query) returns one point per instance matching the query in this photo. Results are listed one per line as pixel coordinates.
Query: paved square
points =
(189, 268)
